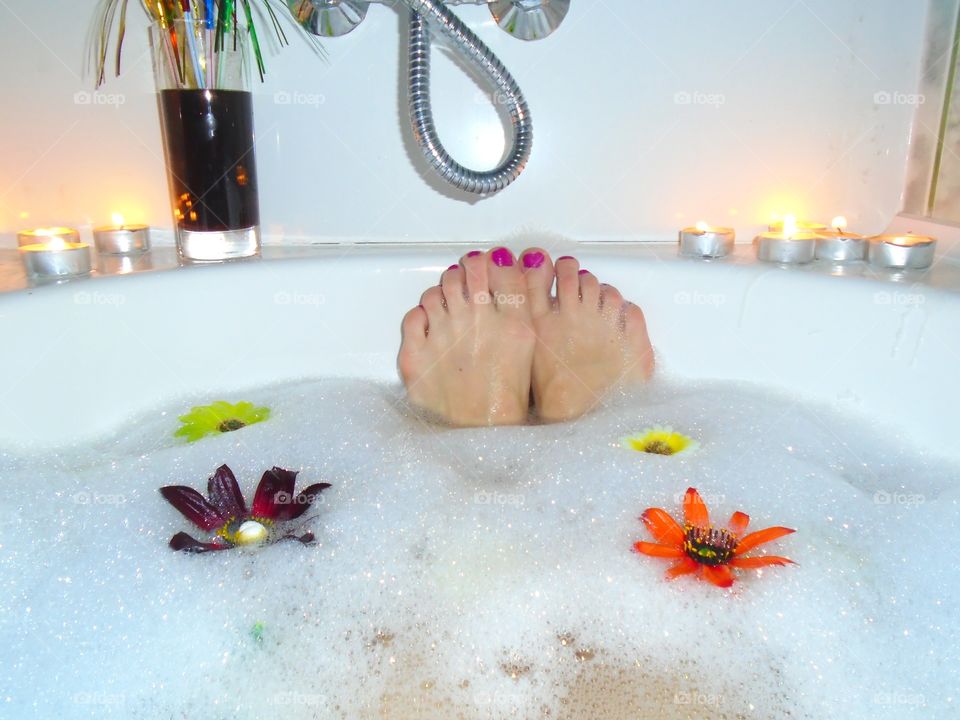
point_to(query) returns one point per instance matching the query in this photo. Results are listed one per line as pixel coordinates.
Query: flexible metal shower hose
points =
(421, 113)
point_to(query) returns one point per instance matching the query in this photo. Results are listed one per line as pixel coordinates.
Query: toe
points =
(589, 289)
(452, 284)
(568, 282)
(507, 288)
(434, 305)
(538, 274)
(611, 301)
(635, 330)
(474, 265)
(413, 331)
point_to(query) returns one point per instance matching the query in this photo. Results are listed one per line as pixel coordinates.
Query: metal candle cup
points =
(705, 241)
(840, 246)
(907, 252)
(55, 260)
(122, 239)
(792, 249)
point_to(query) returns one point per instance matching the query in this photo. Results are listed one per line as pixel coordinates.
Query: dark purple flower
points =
(224, 512)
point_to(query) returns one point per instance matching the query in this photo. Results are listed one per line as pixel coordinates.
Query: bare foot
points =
(589, 339)
(467, 348)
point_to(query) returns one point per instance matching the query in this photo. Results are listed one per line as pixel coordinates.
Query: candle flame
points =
(702, 226)
(117, 219)
(56, 244)
(789, 226)
(839, 223)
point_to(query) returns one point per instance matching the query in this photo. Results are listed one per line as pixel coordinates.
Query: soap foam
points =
(485, 573)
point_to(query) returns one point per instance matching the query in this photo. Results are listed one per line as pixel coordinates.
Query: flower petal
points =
(738, 523)
(275, 488)
(224, 493)
(655, 550)
(664, 528)
(684, 566)
(759, 562)
(182, 541)
(759, 538)
(293, 509)
(719, 575)
(694, 510)
(193, 506)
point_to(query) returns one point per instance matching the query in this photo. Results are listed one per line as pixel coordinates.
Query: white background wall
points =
(783, 117)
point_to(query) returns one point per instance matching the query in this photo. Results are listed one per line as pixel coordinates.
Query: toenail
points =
(566, 257)
(583, 272)
(533, 260)
(453, 267)
(474, 253)
(502, 257)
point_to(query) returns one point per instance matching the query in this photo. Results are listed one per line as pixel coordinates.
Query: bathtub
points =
(84, 356)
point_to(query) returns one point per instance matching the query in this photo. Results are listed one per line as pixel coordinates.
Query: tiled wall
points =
(648, 115)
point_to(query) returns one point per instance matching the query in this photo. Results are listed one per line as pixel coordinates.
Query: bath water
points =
(485, 573)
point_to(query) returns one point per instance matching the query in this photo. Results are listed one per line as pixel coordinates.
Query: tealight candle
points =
(706, 241)
(43, 236)
(792, 222)
(789, 245)
(838, 245)
(121, 239)
(909, 251)
(56, 258)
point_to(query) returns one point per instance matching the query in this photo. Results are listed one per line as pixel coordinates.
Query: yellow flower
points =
(660, 441)
(219, 417)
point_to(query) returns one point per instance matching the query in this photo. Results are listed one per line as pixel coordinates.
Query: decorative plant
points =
(698, 546)
(219, 417)
(224, 512)
(660, 441)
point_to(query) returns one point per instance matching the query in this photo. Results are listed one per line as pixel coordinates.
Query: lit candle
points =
(908, 251)
(121, 239)
(706, 241)
(55, 253)
(789, 245)
(801, 225)
(838, 245)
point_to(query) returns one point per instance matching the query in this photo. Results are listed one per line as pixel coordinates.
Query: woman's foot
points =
(589, 339)
(467, 349)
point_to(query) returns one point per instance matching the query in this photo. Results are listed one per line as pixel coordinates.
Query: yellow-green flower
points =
(219, 417)
(660, 441)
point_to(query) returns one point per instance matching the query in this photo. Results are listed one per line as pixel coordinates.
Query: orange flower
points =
(700, 546)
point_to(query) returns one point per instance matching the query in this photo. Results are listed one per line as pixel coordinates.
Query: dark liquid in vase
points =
(208, 139)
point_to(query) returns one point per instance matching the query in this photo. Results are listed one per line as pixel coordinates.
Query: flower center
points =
(658, 447)
(250, 532)
(709, 546)
(231, 425)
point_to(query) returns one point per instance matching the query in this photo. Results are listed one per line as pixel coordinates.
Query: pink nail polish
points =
(566, 257)
(421, 307)
(474, 253)
(453, 267)
(502, 257)
(533, 260)
(583, 272)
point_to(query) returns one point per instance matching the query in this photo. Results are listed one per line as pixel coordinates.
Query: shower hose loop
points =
(423, 15)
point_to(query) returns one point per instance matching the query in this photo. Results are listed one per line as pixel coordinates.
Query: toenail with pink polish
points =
(502, 257)
(533, 260)
(474, 253)
(453, 267)
(583, 272)
(566, 257)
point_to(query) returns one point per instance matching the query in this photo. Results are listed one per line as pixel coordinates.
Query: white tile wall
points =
(786, 113)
